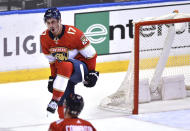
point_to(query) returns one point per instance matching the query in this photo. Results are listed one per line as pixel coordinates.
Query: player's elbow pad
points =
(50, 58)
(88, 52)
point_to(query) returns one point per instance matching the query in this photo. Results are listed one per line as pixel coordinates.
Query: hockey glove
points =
(91, 78)
(50, 83)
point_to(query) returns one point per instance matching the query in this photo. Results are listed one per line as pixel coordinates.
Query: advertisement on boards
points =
(109, 30)
(96, 26)
(120, 29)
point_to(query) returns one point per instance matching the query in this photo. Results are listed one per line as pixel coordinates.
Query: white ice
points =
(23, 108)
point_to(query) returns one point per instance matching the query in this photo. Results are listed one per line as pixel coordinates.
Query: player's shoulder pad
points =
(71, 26)
(72, 29)
(59, 121)
(44, 33)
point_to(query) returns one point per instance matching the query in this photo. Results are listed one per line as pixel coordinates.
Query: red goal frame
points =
(136, 53)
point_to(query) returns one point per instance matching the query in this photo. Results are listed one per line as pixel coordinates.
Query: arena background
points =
(21, 25)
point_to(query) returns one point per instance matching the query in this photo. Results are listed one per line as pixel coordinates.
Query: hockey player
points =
(74, 105)
(70, 55)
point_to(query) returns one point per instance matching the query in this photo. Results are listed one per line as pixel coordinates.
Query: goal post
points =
(160, 43)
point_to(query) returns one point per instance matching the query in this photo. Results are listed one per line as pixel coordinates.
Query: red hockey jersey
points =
(71, 124)
(72, 43)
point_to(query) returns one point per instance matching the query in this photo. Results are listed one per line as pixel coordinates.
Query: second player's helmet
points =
(75, 104)
(52, 13)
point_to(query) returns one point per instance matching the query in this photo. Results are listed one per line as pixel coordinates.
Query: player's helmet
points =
(52, 13)
(75, 104)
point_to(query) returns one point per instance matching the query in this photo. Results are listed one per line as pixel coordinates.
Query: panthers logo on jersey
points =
(60, 53)
(84, 40)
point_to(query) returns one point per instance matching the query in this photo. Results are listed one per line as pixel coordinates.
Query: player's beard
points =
(52, 30)
(56, 31)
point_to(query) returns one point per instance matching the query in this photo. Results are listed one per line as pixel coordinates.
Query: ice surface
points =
(23, 108)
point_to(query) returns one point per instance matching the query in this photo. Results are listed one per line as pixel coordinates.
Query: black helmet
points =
(52, 13)
(75, 104)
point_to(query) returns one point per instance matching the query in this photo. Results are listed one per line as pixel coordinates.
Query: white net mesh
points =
(122, 99)
(164, 51)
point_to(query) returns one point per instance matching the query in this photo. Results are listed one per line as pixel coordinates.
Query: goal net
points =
(159, 67)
